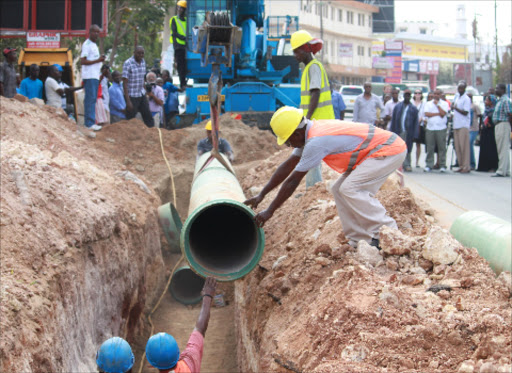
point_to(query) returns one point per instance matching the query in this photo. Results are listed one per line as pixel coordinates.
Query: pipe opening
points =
(223, 238)
(186, 286)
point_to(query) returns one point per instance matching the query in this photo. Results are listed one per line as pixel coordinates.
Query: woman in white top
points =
(420, 105)
(103, 107)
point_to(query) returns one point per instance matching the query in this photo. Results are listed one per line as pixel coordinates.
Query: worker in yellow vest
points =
(178, 25)
(363, 154)
(315, 90)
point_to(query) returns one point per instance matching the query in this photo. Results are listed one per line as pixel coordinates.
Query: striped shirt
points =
(135, 74)
(502, 110)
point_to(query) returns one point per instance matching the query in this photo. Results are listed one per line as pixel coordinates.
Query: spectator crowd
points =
(112, 96)
(109, 96)
(437, 122)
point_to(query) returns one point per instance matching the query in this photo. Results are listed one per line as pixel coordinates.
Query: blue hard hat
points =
(162, 351)
(115, 356)
(58, 67)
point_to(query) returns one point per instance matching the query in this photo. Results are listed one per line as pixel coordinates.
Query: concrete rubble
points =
(424, 303)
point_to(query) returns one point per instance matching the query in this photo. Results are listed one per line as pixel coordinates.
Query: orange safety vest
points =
(182, 367)
(377, 142)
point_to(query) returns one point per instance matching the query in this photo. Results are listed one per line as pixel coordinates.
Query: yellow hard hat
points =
(208, 126)
(285, 121)
(299, 38)
(182, 3)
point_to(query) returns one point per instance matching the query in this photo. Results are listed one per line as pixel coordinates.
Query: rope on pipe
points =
(175, 266)
(168, 166)
(155, 308)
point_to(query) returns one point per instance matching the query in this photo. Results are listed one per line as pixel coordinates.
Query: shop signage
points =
(345, 50)
(41, 39)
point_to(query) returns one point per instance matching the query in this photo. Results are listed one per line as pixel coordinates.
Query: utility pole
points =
(496, 35)
(475, 33)
(321, 8)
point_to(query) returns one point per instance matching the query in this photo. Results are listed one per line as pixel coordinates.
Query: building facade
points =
(345, 26)
(384, 20)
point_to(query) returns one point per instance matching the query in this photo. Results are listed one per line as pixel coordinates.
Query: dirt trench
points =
(179, 320)
(143, 156)
(81, 247)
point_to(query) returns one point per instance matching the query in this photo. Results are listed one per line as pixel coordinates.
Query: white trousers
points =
(362, 214)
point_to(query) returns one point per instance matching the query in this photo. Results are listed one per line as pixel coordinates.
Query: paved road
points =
(452, 194)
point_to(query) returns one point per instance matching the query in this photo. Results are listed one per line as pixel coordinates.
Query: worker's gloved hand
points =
(254, 201)
(209, 287)
(262, 217)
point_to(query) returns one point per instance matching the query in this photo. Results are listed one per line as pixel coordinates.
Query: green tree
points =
(131, 23)
(504, 70)
(17, 43)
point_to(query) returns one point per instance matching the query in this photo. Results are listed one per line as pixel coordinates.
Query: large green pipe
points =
(219, 237)
(491, 236)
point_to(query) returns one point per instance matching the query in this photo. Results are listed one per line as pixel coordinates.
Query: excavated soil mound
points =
(138, 148)
(422, 304)
(80, 247)
(81, 257)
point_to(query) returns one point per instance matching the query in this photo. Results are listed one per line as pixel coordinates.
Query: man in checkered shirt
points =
(502, 118)
(134, 71)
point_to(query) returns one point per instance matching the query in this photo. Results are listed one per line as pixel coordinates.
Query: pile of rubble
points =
(422, 304)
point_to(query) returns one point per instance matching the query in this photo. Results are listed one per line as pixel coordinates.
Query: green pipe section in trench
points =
(186, 286)
(219, 238)
(171, 224)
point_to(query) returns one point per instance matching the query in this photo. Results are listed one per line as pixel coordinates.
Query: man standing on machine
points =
(178, 27)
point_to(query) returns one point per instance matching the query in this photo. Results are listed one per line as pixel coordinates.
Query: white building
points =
(345, 26)
(422, 28)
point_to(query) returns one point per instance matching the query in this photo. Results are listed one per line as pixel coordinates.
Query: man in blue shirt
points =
(171, 105)
(338, 104)
(117, 103)
(31, 86)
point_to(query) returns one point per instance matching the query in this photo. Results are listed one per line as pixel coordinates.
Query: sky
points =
(444, 11)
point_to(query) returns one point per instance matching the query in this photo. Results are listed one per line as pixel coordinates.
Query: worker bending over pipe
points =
(162, 350)
(364, 154)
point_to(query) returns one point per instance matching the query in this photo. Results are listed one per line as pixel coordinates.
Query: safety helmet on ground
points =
(162, 351)
(115, 356)
(208, 126)
(182, 3)
(285, 121)
(299, 38)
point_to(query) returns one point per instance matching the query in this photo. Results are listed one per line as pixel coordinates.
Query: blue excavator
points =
(240, 62)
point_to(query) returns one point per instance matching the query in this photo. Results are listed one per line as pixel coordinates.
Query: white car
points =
(350, 93)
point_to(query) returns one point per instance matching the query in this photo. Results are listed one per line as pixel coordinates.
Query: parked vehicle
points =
(350, 93)
(421, 85)
(378, 88)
